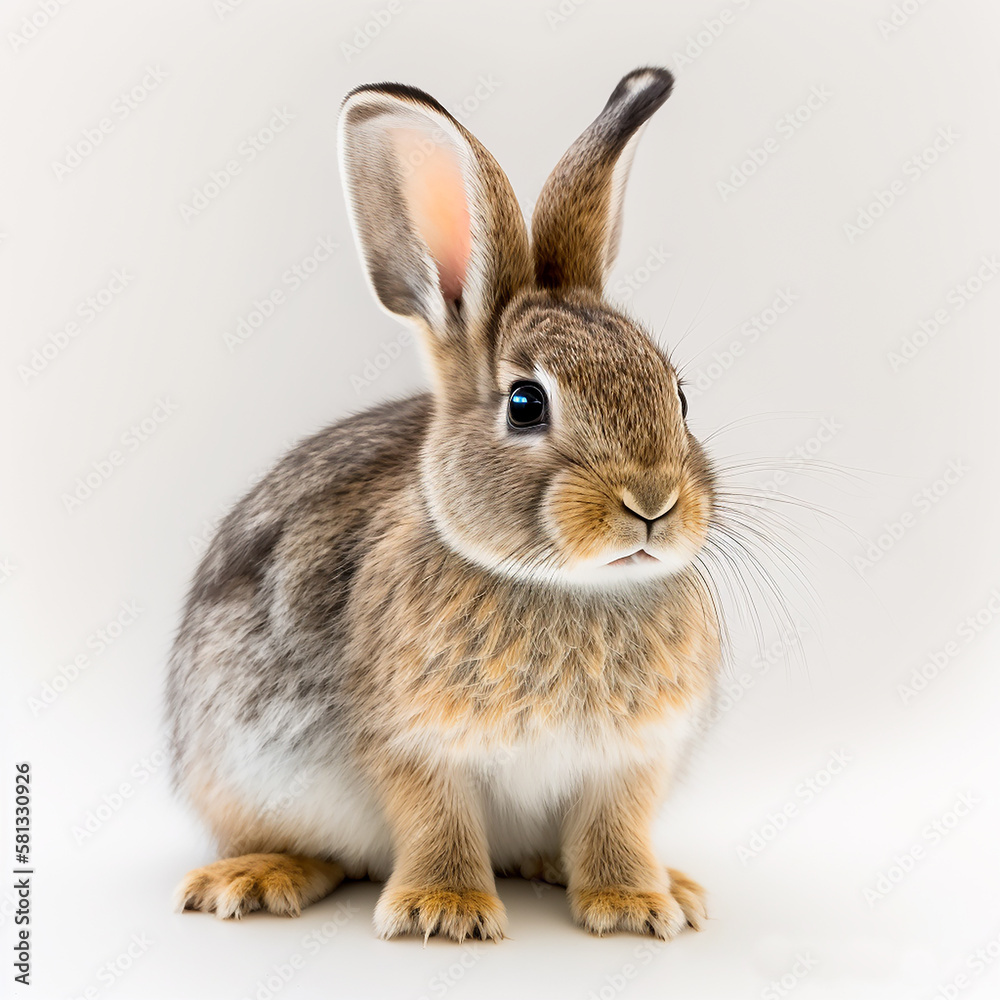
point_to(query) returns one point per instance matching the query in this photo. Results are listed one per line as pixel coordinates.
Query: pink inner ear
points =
(434, 189)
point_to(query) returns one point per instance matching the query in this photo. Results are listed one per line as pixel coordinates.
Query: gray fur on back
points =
(241, 658)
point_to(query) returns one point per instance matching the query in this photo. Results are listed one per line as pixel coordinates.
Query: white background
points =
(106, 861)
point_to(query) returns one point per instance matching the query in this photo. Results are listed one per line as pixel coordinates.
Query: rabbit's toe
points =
(691, 897)
(606, 909)
(278, 883)
(455, 913)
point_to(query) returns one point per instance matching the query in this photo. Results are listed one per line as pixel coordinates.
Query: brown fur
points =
(402, 610)
(278, 883)
(442, 879)
(616, 882)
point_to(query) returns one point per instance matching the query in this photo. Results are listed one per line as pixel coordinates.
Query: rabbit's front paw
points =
(456, 913)
(662, 913)
(279, 883)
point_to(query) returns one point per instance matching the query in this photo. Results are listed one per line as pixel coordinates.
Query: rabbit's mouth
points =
(639, 556)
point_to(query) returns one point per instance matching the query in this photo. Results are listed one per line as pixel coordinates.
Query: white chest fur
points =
(527, 786)
(524, 788)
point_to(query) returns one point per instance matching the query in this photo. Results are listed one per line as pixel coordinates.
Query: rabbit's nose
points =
(648, 510)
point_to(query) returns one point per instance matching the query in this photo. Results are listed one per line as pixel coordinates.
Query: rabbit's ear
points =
(443, 239)
(576, 225)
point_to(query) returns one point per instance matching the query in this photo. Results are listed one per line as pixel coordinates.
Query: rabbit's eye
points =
(684, 402)
(526, 406)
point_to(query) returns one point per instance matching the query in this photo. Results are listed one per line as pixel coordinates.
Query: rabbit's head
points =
(558, 449)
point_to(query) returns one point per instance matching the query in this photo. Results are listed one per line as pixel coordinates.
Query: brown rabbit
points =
(463, 633)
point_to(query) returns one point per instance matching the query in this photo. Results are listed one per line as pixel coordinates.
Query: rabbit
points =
(464, 633)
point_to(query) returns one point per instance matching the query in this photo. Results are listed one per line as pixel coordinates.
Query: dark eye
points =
(526, 406)
(684, 402)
